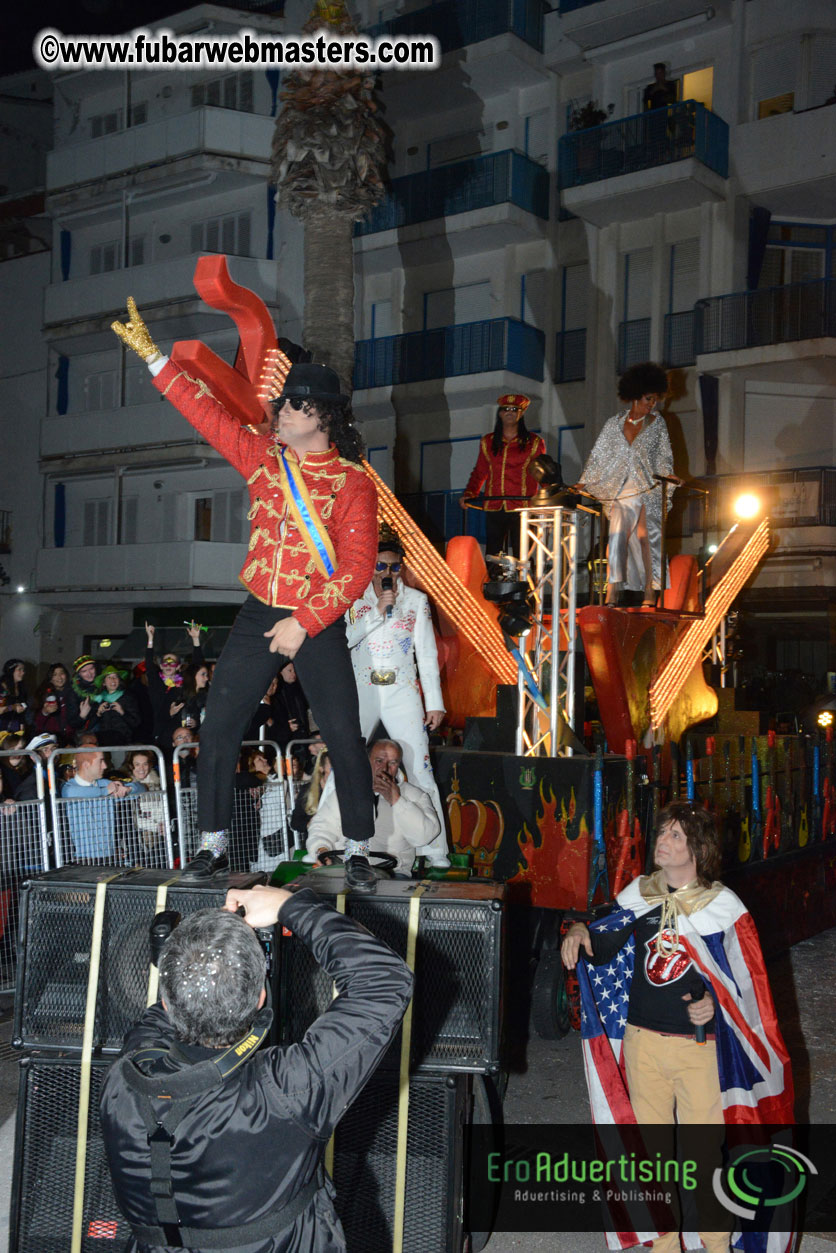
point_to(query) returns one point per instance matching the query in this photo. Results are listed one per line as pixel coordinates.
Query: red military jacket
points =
(279, 569)
(506, 472)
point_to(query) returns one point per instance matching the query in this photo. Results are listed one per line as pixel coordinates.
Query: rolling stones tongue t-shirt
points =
(660, 979)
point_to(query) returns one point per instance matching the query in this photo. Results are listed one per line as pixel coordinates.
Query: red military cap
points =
(512, 401)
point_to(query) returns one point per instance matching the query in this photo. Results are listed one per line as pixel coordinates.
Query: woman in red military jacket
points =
(502, 468)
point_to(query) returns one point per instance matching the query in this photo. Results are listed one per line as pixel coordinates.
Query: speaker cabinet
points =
(44, 1169)
(56, 931)
(458, 971)
(365, 1160)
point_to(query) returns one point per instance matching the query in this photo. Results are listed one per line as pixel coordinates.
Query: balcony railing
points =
(679, 339)
(570, 356)
(803, 497)
(775, 315)
(440, 517)
(448, 351)
(642, 142)
(457, 23)
(633, 343)
(498, 178)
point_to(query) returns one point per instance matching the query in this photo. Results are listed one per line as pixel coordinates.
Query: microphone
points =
(697, 990)
(386, 585)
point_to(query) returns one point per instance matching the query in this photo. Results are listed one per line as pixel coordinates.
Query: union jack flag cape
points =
(753, 1063)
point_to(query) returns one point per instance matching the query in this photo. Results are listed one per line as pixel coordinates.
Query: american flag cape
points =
(753, 1063)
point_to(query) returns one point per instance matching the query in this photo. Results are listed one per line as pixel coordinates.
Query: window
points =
(453, 306)
(381, 319)
(136, 250)
(699, 86)
(796, 252)
(105, 124)
(96, 529)
(104, 258)
(634, 331)
(139, 114)
(130, 516)
(219, 517)
(537, 137)
(100, 391)
(775, 72)
(5, 530)
(570, 354)
(683, 293)
(234, 91)
(229, 234)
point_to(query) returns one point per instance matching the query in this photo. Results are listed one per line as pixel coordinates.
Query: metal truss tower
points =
(548, 547)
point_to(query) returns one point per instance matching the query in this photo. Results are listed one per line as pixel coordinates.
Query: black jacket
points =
(251, 1144)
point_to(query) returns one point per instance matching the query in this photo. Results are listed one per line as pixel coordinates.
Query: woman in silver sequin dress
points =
(632, 447)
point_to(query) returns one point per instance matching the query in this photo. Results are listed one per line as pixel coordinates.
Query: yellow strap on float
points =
(86, 1055)
(403, 1080)
(339, 905)
(153, 971)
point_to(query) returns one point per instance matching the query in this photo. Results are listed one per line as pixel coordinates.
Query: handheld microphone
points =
(697, 991)
(386, 585)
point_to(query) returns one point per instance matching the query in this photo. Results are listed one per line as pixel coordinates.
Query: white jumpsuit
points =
(388, 649)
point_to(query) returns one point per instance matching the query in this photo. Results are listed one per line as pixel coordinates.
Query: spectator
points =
(14, 770)
(14, 701)
(165, 684)
(661, 92)
(84, 689)
(405, 819)
(150, 808)
(195, 693)
(138, 689)
(291, 715)
(309, 797)
(117, 715)
(52, 717)
(92, 817)
(59, 683)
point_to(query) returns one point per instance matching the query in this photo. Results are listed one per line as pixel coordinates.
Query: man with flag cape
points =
(679, 959)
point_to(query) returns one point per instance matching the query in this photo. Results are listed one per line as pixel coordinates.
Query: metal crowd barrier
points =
(259, 836)
(25, 849)
(133, 830)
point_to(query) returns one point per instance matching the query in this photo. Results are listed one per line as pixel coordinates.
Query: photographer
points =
(214, 1143)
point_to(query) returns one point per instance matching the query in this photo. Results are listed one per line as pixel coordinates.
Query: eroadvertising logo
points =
(743, 1184)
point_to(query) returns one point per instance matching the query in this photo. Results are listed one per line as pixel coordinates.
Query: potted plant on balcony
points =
(584, 117)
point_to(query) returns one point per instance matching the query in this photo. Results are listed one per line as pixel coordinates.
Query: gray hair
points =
(211, 976)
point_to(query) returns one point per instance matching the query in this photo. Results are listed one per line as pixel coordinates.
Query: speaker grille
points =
(57, 925)
(365, 1162)
(456, 1015)
(45, 1154)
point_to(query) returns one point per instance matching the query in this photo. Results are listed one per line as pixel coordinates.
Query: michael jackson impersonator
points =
(313, 542)
(675, 935)
(502, 468)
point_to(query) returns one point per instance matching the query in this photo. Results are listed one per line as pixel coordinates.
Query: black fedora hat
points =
(310, 382)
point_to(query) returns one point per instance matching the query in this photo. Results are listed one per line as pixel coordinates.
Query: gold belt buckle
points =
(383, 678)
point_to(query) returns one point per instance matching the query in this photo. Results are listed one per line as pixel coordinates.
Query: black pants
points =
(502, 532)
(244, 671)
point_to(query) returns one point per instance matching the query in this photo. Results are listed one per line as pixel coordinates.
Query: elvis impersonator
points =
(313, 536)
(678, 961)
(390, 630)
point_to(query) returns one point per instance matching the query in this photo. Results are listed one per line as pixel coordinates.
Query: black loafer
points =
(359, 875)
(205, 865)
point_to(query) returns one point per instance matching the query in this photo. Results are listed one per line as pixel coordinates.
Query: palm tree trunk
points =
(329, 292)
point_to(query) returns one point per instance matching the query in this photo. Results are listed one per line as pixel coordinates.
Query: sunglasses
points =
(296, 402)
(394, 566)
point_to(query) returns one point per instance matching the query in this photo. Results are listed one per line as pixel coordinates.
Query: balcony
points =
(787, 163)
(458, 23)
(570, 356)
(153, 286)
(505, 177)
(679, 348)
(675, 158)
(757, 320)
(449, 351)
(134, 427)
(222, 133)
(592, 24)
(123, 570)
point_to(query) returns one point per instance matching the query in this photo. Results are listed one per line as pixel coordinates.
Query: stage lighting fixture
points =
(747, 506)
(825, 718)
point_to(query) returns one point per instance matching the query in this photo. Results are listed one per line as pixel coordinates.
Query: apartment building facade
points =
(514, 252)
